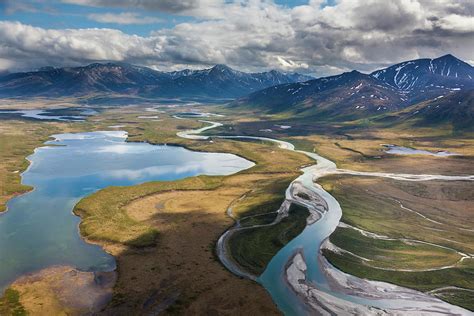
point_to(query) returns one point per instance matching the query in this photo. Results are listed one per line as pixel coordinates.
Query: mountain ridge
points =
(218, 81)
(347, 96)
(386, 90)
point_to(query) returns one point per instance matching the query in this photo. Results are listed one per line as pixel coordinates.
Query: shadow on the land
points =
(181, 273)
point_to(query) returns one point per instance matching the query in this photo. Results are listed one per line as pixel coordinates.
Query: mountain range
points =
(219, 81)
(421, 90)
(355, 95)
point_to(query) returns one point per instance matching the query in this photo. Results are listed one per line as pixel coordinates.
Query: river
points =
(301, 281)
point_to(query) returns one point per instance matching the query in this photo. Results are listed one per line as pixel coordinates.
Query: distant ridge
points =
(219, 81)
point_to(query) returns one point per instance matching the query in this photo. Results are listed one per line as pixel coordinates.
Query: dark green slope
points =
(455, 109)
(348, 96)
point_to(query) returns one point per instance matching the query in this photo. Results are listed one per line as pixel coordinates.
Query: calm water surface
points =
(48, 115)
(399, 150)
(39, 229)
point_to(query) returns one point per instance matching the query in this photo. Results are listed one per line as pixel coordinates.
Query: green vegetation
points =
(393, 254)
(372, 205)
(461, 297)
(10, 304)
(301, 144)
(253, 248)
(462, 276)
(160, 132)
(265, 198)
(104, 217)
(17, 141)
(259, 219)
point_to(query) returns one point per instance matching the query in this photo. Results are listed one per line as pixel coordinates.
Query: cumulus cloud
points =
(456, 23)
(259, 34)
(31, 46)
(123, 18)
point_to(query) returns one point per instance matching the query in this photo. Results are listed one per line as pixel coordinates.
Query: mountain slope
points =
(122, 78)
(219, 81)
(456, 110)
(222, 81)
(423, 79)
(350, 95)
(357, 95)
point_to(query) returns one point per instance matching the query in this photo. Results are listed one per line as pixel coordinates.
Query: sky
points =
(318, 37)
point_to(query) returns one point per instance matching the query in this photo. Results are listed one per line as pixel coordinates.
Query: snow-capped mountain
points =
(223, 81)
(346, 95)
(425, 78)
(355, 94)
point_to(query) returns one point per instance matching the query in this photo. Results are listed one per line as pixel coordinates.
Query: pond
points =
(399, 150)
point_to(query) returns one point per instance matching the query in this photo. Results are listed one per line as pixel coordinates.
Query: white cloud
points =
(123, 18)
(454, 22)
(290, 64)
(24, 43)
(255, 35)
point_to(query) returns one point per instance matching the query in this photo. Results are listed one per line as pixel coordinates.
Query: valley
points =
(125, 241)
(401, 222)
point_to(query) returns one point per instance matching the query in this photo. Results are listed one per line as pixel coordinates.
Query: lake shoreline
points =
(85, 239)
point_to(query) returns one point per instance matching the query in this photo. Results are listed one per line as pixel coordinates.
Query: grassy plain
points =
(37, 103)
(14, 147)
(373, 204)
(184, 231)
(436, 212)
(394, 254)
(358, 145)
(171, 227)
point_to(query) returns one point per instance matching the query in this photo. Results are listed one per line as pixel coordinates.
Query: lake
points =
(39, 228)
(64, 115)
